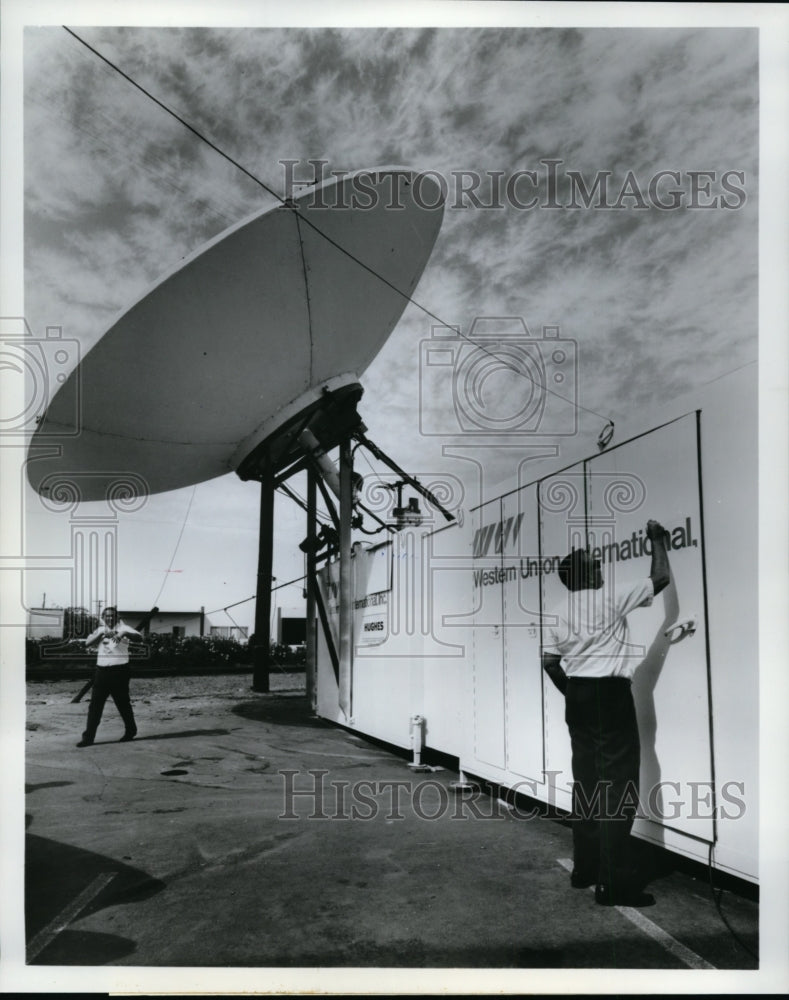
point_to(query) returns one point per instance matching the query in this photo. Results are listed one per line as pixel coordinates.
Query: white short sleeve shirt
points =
(591, 632)
(114, 646)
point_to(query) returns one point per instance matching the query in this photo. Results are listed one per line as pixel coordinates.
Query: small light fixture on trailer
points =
(605, 436)
(406, 516)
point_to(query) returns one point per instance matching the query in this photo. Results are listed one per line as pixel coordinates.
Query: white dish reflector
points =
(260, 318)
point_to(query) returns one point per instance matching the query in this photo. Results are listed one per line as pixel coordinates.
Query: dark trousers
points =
(108, 681)
(601, 717)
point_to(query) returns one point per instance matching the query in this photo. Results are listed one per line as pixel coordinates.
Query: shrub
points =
(78, 623)
(166, 650)
(158, 652)
(50, 651)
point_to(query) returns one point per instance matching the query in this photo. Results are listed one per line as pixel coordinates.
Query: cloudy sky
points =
(655, 282)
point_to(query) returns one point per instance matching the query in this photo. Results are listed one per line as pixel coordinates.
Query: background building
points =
(48, 623)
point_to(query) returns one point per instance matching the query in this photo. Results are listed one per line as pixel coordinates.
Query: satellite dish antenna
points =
(251, 331)
(247, 357)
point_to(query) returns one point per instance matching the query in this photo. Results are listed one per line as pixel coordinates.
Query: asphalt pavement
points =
(238, 831)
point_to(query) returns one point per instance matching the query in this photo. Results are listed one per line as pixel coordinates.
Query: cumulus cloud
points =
(117, 192)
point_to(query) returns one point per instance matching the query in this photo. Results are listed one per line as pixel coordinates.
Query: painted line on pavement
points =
(64, 918)
(663, 938)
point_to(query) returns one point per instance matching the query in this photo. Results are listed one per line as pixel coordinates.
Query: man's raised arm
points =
(94, 636)
(129, 632)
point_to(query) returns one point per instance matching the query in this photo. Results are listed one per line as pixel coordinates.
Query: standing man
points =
(112, 675)
(593, 665)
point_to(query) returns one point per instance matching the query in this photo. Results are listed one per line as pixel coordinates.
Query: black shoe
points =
(578, 880)
(128, 736)
(85, 743)
(604, 895)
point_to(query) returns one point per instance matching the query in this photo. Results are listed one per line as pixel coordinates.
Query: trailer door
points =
(486, 636)
(561, 502)
(522, 667)
(657, 476)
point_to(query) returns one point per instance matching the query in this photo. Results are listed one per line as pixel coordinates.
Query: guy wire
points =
(325, 236)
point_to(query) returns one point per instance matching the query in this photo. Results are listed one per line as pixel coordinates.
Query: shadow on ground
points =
(180, 735)
(282, 710)
(55, 876)
(46, 784)
(85, 948)
(416, 954)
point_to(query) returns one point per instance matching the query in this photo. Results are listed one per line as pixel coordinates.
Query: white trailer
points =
(447, 625)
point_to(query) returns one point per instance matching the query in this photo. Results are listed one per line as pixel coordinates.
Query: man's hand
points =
(659, 572)
(552, 665)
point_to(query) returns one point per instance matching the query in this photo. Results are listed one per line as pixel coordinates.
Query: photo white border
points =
(773, 20)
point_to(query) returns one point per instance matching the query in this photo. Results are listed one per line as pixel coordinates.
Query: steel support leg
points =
(311, 584)
(346, 579)
(261, 652)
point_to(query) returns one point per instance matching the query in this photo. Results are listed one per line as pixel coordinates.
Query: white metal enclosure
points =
(448, 625)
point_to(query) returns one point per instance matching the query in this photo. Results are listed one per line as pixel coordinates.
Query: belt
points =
(599, 680)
